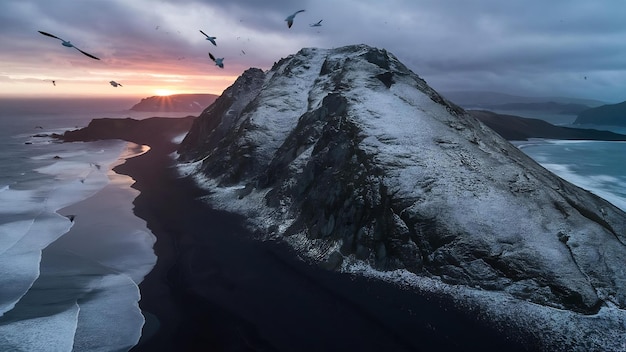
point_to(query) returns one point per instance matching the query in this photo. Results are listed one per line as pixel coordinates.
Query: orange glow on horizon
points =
(164, 92)
(95, 83)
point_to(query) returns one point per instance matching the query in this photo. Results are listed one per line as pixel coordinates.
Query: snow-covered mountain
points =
(354, 160)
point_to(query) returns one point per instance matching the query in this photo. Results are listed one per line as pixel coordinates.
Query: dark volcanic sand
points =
(215, 288)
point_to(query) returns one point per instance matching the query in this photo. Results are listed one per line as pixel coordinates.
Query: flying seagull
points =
(209, 38)
(290, 18)
(115, 84)
(218, 61)
(67, 43)
(318, 24)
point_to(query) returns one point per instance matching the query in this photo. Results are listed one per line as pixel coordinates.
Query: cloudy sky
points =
(573, 48)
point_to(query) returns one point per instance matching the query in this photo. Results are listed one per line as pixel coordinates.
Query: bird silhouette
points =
(67, 43)
(218, 61)
(290, 18)
(318, 24)
(209, 38)
(115, 84)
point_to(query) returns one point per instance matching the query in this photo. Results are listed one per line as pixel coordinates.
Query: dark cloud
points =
(511, 46)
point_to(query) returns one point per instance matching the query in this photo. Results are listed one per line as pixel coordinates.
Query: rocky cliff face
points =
(349, 156)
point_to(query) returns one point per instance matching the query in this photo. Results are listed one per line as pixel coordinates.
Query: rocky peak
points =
(348, 155)
(217, 119)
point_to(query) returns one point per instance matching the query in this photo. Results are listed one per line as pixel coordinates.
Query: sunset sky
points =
(574, 48)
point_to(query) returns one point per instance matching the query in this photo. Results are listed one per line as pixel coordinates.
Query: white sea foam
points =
(19, 263)
(596, 184)
(110, 318)
(28, 334)
(11, 232)
(21, 201)
(586, 164)
(46, 304)
(121, 241)
(94, 307)
(179, 139)
(29, 222)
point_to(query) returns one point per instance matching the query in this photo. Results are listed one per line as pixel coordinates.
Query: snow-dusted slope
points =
(353, 159)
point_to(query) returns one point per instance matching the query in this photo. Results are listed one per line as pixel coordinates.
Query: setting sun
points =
(163, 92)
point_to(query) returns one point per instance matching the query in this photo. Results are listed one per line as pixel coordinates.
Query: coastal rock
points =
(610, 114)
(175, 103)
(145, 131)
(348, 155)
(520, 128)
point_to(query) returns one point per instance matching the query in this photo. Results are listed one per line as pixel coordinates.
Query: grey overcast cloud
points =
(574, 48)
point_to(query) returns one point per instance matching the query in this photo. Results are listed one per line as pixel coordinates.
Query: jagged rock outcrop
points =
(205, 135)
(349, 155)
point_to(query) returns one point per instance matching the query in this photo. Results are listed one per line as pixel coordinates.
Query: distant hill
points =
(520, 128)
(551, 106)
(612, 114)
(487, 100)
(176, 103)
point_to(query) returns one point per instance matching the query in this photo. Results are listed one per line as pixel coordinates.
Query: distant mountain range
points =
(175, 103)
(611, 114)
(553, 107)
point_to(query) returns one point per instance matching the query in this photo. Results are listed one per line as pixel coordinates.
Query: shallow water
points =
(597, 166)
(67, 284)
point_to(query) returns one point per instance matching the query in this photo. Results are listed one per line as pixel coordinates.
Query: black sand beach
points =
(215, 288)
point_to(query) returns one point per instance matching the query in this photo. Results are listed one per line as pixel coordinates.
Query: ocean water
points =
(68, 285)
(597, 166)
